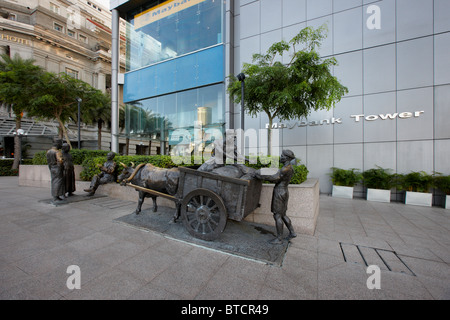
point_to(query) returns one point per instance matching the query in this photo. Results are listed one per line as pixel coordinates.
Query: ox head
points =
(126, 173)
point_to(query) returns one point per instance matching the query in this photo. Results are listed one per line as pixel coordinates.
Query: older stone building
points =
(61, 36)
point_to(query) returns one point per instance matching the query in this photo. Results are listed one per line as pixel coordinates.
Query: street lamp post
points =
(241, 78)
(79, 115)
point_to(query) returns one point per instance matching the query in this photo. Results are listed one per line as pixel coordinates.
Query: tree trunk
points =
(99, 134)
(127, 147)
(63, 132)
(17, 145)
(269, 137)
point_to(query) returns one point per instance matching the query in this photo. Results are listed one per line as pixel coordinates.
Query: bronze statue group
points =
(62, 171)
(62, 174)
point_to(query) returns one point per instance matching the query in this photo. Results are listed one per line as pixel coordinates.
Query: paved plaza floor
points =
(409, 245)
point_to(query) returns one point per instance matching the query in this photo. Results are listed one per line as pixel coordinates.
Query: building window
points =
(141, 150)
(58, 27)
(160, 117)
(12, 17)
(72, 73)
(83, 38)
(154, 36)
(54, 8)
(71, 33)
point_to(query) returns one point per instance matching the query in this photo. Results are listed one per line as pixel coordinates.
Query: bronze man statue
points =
(69, 170)
(55, 165)
(105, 176)
(280, 195)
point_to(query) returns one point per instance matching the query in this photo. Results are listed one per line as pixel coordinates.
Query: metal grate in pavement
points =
(112, 203)
(384, 259)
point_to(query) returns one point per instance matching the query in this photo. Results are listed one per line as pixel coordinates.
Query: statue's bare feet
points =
(276, 241)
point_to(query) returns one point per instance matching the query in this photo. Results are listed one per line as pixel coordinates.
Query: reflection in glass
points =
(154, 35)
(159, 117)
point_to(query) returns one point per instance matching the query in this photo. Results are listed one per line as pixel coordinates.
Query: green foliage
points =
(57, 99)
(442, 183)
(378, 178)
(8, 172)
(18, 78)
(300, 174)
(346, 178)
(415, 181)
(40, 158)
(6, 164)
(90, 165)
(293, 90)
(78, 155)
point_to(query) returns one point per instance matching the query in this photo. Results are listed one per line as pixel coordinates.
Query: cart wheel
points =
(204, 214)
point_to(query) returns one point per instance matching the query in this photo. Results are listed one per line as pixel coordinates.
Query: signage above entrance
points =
(355, 117)
(162, 10)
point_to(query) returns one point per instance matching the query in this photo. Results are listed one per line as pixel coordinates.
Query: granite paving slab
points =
(245, 239)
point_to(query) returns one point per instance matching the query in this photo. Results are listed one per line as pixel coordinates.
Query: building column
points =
(114, 82)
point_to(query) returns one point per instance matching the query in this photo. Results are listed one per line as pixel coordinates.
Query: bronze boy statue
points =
(280, 195)
(55, 165)
(69, 170)
(105, 176)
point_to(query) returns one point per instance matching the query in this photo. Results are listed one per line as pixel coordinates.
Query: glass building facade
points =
(174, 63)
(393, 55)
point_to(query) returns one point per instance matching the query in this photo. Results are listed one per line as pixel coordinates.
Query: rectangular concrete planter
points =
(378, 195)
(39, 175)
(342, 192)
(419, 198)
(303, 206)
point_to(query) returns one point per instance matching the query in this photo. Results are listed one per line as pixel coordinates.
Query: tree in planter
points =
(442, 183)
(18, 78)
(378, 178)
(417, 186)
(379, 182)
(58, 99)
(345, 178)
(415, 182)
(293, 90)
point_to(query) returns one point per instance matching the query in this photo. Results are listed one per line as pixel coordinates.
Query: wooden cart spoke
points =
(210, 215)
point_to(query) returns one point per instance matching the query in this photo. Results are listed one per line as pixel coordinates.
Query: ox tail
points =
(135, 172)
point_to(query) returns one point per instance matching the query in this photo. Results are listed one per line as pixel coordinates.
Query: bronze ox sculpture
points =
(148, 176)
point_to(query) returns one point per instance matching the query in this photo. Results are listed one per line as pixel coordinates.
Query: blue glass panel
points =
(197, 69)
(165, 77)
(186, 72)
(210, 66)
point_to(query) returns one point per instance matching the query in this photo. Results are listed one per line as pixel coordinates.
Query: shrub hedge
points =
(78, 155)
(6, 164)
(90, 165)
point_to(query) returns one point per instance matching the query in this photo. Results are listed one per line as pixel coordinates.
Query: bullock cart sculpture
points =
(204, 200)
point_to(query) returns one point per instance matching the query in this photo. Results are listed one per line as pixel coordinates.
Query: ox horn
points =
(123, 165)
(132, 164)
